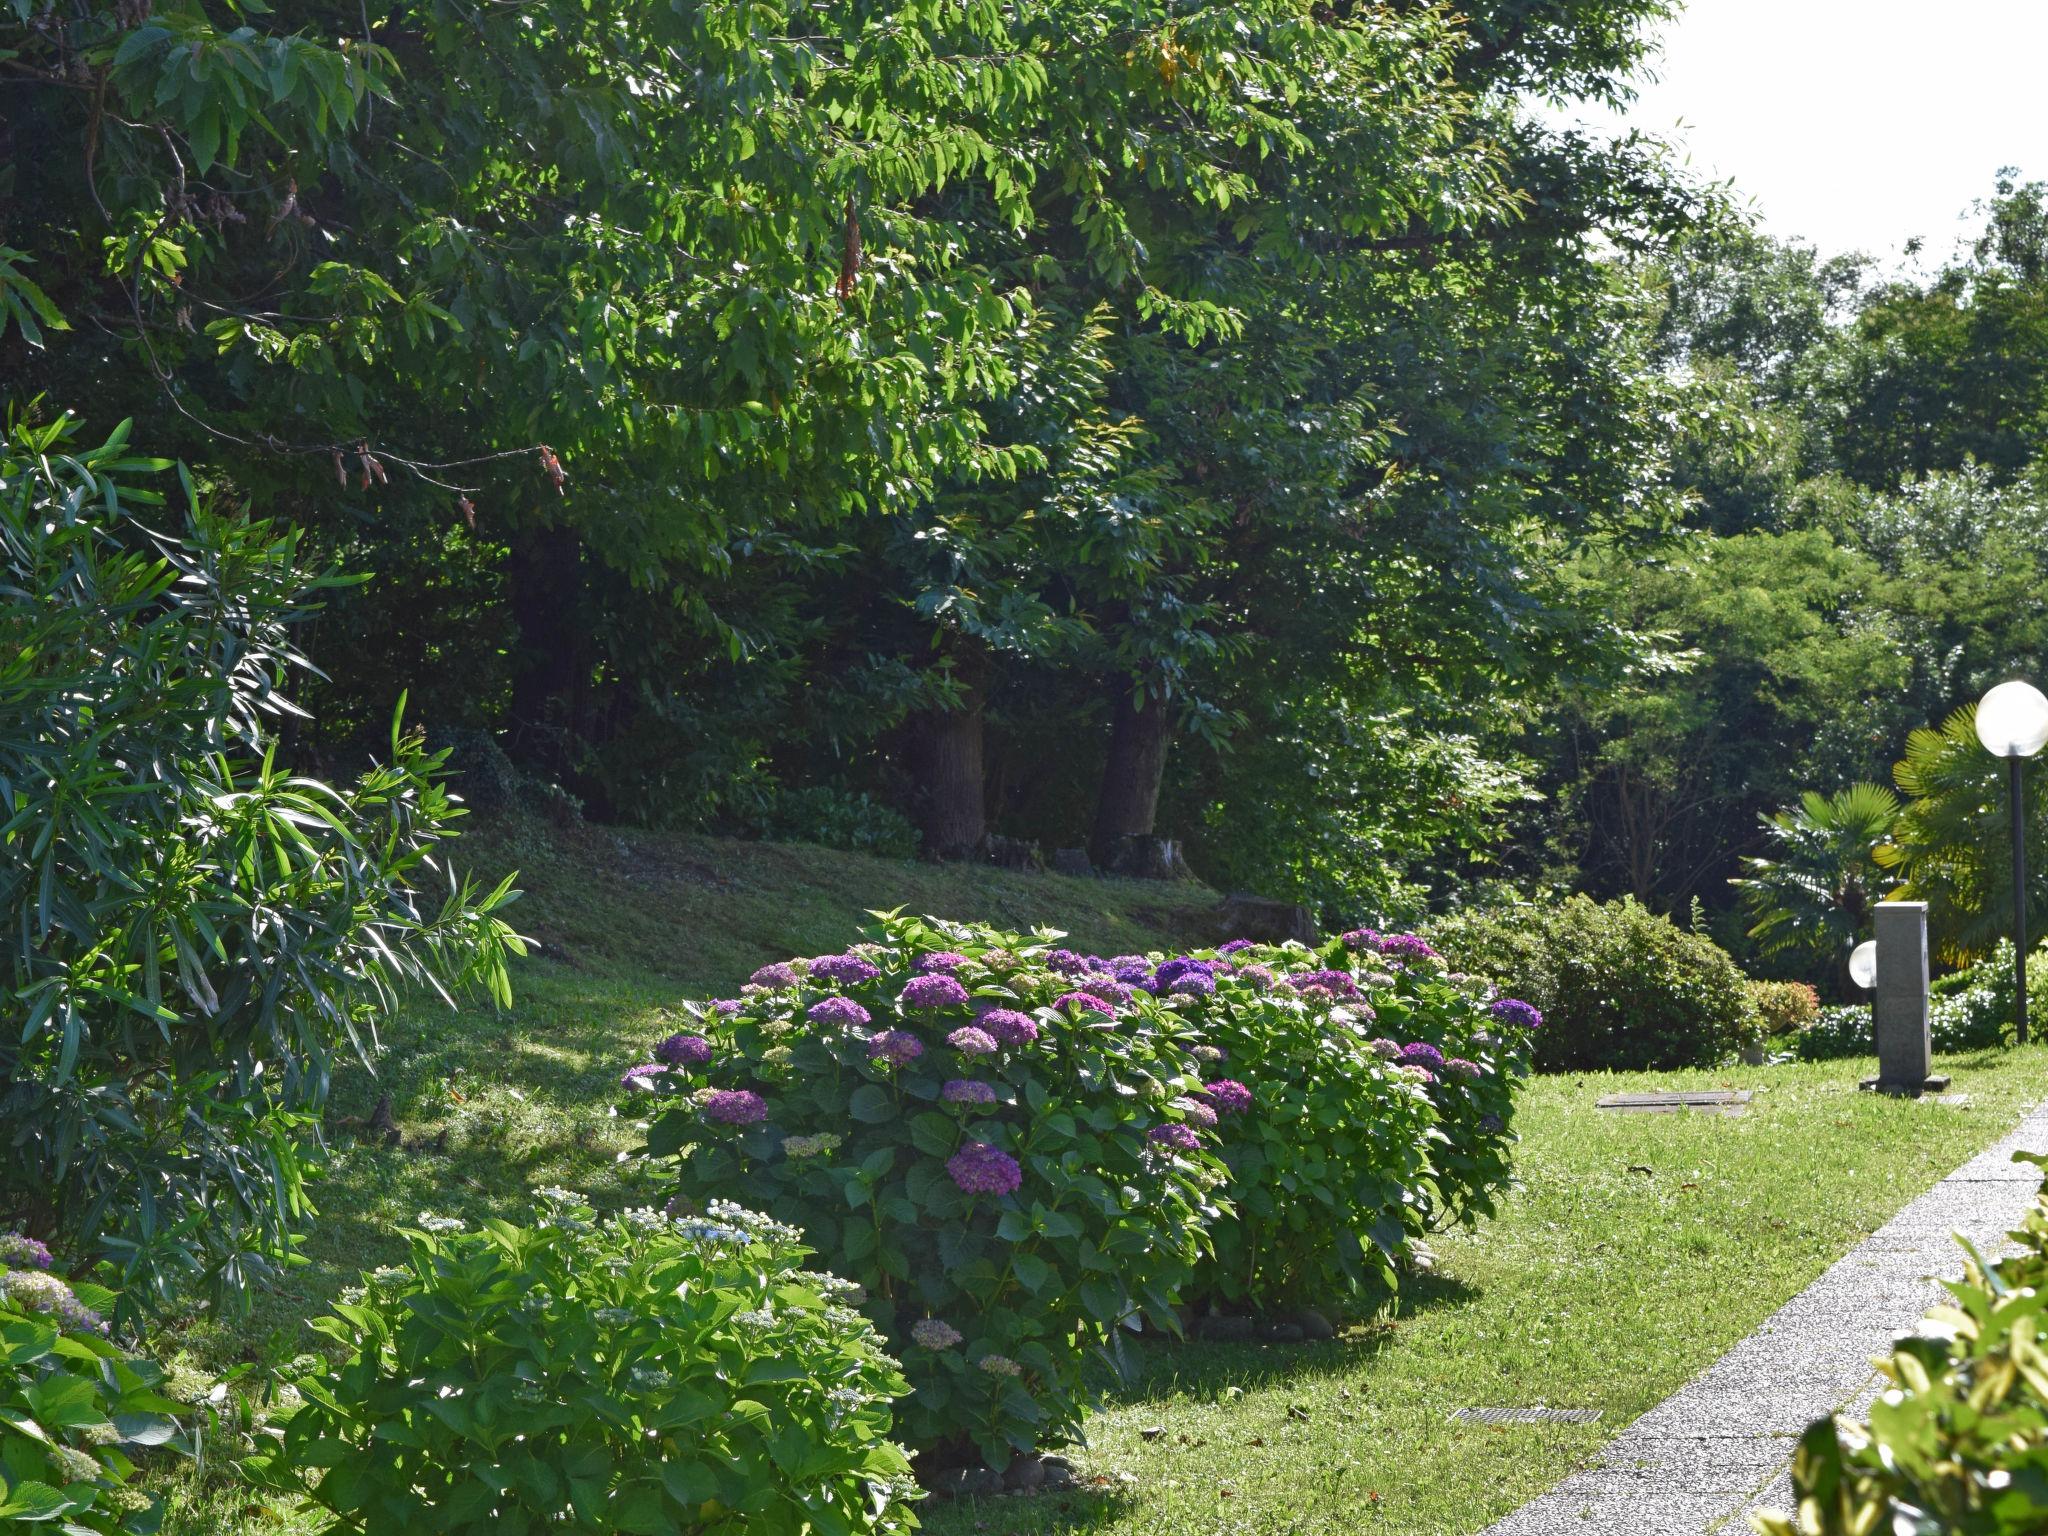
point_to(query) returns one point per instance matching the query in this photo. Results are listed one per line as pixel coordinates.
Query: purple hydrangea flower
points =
(965, 1090)
(931, 992)
(1419, 1053)
(970, 1041)
(684, 1051)
(1462, 1067)
(1195, 1112)
(838, 1010)
(735, 1106)
(939, 962)
(1363, 938)
(1009, 1026)
(844, 970)
(1111, 991)
(1067, 963)
(980, 1169)
(934, 1334)
(1422, 1074)
(641, 1079)
(1193, 984)
(1087, 1002)
(1407, 946)
(1385, 1049)
(1181, 1138)
(727, 1006)
(1492, 1125)
(896, 1046)
(1186, 965)
(1512, 1010)
(1257, 977)
(1336, 983)
(1228, 1095)
(775, 977)
(20, 1251)
(1234, 946)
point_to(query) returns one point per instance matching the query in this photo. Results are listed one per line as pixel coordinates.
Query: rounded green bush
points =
(74, 1408)
(1783, 1007)
(1006, 1155)
(632, 1373)
(1621, 988)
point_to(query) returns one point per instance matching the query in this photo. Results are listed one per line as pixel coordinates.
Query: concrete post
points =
(1899, 1008)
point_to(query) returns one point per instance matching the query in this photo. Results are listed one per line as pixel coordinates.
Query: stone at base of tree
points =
(1072, 861)
(1224, 1330)
(1263, 920)
(1147, 858)
(1012, 852)
(1313, 1324)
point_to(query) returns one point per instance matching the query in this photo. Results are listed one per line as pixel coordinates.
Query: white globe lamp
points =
(1863, 964)
(2012, 722)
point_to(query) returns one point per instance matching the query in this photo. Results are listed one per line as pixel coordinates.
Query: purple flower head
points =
(1009, 1027)
(844, 970)
(1067, 963)
(1407, 946)
(1462, 1067)
(1134, 971)
(18, 1251)
(896, 1046)
(932, 992)
(1111, 991)
(1234, 946)
(726, 1007)
(965, 1090)
(1385, 1049)
(1419, 1053)
(838, 1010)
(1492, 1125)
(684, 1051)
(1363, 938)
(934, 1334)
(1186, 965)
(939, 962)
(980, 1169)
(735, 1106)
(1193, 984)
(641, 1079)
(1422, 1074)
(1181, 1138)
(1512, 1010)
(1086, 1002)
(1228, 1095)
(1336, 983)
(1316, 993)
(775, 977)
(970, 1041)
(1195, 1112)
(1257, 977)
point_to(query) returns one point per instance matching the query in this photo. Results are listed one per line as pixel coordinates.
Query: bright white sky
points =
(1854, 124)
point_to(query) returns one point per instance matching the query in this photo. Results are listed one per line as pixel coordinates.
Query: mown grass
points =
(1598, 1284)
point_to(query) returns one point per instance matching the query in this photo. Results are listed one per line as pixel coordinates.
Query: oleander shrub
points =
(1620, 988)
(1369, 1098)
(1783, 1008)
(192, 932)
(1010, 1160)
(75, 1409)
(1958, 1443)
(595, 1375)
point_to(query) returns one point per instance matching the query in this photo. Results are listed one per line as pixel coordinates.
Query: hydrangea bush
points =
(635, 1373)
(1011, 1159)
(74, 1408)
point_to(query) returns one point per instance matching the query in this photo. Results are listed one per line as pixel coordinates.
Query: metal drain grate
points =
(1527, 1415)
(1712, 1101)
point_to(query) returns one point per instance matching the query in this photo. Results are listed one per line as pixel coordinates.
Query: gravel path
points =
(1721, 1446)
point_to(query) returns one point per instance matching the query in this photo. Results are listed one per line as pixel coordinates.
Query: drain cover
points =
(1714, 1101)
(1527, 1415)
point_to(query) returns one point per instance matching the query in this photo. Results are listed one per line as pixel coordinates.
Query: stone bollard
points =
(1899, 1007)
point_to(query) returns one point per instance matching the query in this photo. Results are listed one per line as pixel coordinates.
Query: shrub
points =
(632, 1373)
(1837, 1032)
(1340, 1150)
(1783, 1007)
(1621, 988)
(1959, 1442)
(191, 931)
(1004, 1158)
(1969, 1020)
(73, 1407)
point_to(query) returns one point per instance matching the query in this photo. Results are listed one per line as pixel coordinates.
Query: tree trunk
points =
(1128, 805)
(542, 579)
(946, 757)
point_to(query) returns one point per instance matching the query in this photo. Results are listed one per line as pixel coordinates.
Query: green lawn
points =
(1597, 1286)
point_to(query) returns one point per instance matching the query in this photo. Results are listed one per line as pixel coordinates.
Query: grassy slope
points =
(1597, 1286)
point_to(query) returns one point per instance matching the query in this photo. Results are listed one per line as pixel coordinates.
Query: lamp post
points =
(2012, 722)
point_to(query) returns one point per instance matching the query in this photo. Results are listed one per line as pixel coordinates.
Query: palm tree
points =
(1813, 892)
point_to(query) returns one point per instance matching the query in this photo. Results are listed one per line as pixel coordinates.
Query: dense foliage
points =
(1015, 1148)
(75, 1408)
(625, 1373)
(1783, 1007)
(1621, 988)
(192, 931)
(1958, 1442)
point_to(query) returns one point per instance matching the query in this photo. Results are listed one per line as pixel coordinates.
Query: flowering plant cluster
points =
(74, 1408)
(637, 1372)
(1014, 1167)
